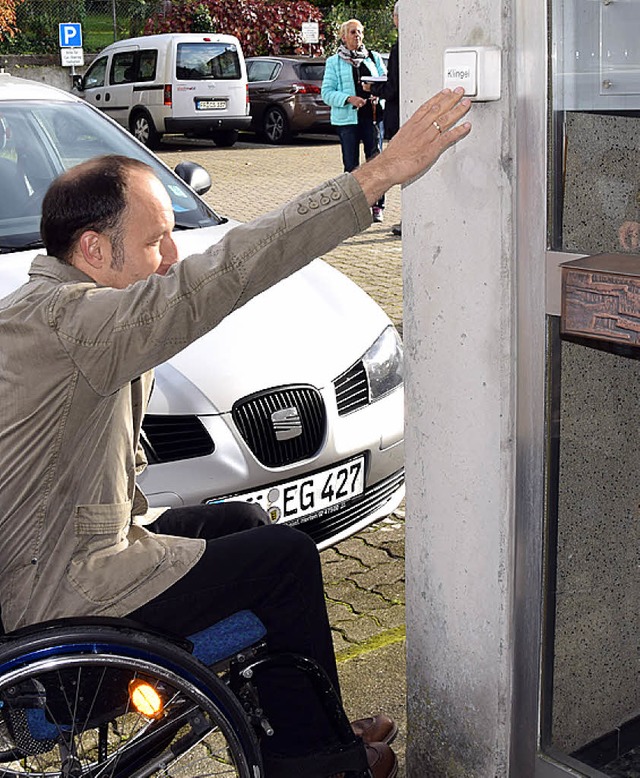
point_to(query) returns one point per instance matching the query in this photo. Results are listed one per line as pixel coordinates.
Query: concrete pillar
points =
(459, 333)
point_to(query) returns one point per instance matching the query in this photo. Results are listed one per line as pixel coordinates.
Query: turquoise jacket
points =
(338, 85)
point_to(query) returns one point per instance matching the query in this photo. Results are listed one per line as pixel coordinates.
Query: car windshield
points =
(39, 140)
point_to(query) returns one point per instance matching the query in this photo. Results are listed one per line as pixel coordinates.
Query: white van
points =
(189, 83)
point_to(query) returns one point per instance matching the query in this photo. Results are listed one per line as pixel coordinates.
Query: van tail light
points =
(246, 89)
(168, 95)
(305, 89)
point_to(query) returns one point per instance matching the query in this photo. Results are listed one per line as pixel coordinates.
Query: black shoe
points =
(397, 229)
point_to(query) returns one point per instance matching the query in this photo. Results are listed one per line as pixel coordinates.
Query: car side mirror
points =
(77, 82)
(194, 176)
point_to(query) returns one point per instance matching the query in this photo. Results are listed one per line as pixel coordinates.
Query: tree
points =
(8, 17)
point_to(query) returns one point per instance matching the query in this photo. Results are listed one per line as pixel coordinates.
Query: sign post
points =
(71, 52)
(310, 33)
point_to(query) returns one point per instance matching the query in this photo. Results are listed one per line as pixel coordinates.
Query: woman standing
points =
(355, 114)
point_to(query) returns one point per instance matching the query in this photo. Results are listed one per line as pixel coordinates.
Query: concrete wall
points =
(459, 335)
(40, 68)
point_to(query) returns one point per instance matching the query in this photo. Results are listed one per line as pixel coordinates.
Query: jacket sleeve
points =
(390, 89)
(380, 67)
(333, 92)
(115, 335)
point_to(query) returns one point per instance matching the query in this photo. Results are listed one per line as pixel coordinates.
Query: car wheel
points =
(275, 125)
(225, 138)
(142, 127)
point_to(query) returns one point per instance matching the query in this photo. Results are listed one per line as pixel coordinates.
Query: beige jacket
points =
(75, 362)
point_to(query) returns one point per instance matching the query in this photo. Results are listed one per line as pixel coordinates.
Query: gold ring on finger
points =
(437, 126)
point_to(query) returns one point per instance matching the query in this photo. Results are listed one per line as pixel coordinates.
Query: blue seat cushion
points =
(227, 637)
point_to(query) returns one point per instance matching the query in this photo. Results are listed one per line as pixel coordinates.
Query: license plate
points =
(211, 105)
(292, 501)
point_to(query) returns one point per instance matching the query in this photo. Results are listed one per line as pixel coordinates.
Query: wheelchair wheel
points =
(80, 702)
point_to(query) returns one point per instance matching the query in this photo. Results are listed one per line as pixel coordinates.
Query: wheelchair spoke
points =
(79, 717)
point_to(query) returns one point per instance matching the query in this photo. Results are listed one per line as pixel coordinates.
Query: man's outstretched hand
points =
(417, 144)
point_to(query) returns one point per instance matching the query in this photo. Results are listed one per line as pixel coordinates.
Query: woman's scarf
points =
(354, 56)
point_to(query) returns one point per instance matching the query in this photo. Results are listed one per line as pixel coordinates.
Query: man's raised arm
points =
(417, 144)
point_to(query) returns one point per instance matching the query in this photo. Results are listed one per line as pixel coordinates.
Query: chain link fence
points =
(104, 21)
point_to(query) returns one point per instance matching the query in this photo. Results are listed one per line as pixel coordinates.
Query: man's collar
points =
(51, 267)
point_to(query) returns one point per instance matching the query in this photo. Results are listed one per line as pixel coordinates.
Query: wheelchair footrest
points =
(348, 759)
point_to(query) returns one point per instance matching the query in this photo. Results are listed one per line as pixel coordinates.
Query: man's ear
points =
(91, 245)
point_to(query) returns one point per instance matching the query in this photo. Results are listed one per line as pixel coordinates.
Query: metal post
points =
(115, 20)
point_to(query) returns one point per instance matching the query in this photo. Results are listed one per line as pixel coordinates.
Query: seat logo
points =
(286, 423)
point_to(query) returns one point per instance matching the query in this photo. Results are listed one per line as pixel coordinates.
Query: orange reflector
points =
(145, 699)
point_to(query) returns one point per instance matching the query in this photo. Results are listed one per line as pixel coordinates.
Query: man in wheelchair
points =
(79, 341)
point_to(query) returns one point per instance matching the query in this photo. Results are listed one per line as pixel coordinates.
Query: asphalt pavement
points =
(364, 575)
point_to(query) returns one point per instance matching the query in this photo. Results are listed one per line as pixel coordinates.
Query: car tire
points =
(224, 139)
(142, 127)
(275, 125)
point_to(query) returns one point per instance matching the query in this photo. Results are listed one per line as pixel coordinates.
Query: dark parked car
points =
(284, 93)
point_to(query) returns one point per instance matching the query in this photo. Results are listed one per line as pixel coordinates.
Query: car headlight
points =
(384, 364)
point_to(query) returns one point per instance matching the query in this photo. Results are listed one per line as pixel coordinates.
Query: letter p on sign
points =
(70, 35)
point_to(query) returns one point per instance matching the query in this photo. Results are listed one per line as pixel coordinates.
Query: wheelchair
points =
(106, 698)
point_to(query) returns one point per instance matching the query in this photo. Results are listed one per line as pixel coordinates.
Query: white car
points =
(295, 401)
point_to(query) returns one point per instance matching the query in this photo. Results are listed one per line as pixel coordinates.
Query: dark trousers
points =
(273, 570)
(351, 136)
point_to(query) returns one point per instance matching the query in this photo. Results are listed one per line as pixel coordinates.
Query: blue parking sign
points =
(70, 34)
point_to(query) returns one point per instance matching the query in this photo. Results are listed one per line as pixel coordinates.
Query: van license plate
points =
(291, 501)
(211, 105)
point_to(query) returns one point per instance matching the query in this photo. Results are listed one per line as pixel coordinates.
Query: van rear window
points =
(207, 60)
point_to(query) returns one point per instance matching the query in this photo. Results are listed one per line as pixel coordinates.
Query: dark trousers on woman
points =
(351, 136)
(273, 570)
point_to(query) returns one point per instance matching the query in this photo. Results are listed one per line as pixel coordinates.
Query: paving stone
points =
(341, 567)
(359, 599)
(394, 592)
(339, 611)
(339, 642)
(395, 547)
(380, 576)
(369, 555)
(329, 556)
(389, 617)
(360, 629)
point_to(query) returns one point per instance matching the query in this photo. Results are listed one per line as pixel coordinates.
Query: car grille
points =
(254, 418)
(352, 389)
(170, 438)
(348, 514)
